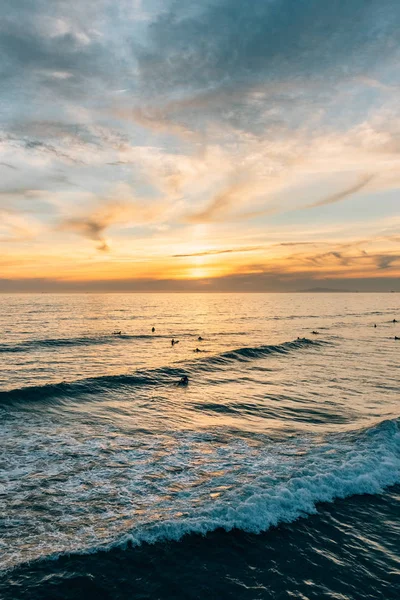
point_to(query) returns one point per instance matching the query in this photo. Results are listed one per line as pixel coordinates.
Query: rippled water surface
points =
(283, 439)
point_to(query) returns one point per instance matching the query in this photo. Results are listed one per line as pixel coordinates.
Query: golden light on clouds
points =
(201, 165)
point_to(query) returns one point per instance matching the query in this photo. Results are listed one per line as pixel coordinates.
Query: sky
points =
(199, 145)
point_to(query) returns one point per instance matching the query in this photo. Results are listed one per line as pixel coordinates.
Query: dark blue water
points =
(274, 474)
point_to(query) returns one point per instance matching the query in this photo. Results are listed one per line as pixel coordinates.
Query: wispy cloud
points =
(219, 205)
(217, 252)
(154, 117)
(16, 226)
(331, 199)
(3, 164)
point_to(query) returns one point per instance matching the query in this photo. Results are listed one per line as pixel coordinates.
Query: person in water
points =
(183, 380)
(199, 339)
(394, 321)
(197, 350)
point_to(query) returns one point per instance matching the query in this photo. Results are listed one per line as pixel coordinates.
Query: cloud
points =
(239, 188)
(338, 257)
(217, 252)
(220, 204)
(54, 43)
(155, 119)
(228, 111)
(386, 261)
(93, 225)
(362, 183)
(285, 244)
(230, 41)
(15, 226)
(3, 164)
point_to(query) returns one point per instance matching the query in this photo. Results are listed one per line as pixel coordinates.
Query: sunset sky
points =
(212, 145)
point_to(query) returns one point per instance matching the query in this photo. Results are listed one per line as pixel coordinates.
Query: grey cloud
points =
(261, 67)
(57, 149)
(232, 40)
(339, 257)
(39, 146)
(386, 261)
(3, 164)
(89, 228)
(53, 50)
(93, 226)
(27, 52)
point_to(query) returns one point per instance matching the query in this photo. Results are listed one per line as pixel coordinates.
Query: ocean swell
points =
(50, 343)
(162, 376)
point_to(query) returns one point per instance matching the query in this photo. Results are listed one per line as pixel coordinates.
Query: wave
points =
(261, 351)
(370, 463)
(161, 376)
(74, 341)
(368, 468)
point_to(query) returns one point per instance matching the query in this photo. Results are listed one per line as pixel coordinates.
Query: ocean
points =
(275, 473)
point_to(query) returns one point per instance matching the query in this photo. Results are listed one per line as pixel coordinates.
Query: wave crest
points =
(162, 376)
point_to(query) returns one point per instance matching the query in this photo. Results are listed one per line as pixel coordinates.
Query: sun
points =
(199, 273)
(198, 269)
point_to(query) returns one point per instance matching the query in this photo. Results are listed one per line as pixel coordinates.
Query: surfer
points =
(117, 332)
(173, 342)
(199, 339)
(153, 329)
(315, 332)
(197, 350)
(375, 325)
(396, 338)
(394, 321)
(183, 381)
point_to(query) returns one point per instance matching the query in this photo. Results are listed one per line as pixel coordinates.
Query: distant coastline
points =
(194, 291)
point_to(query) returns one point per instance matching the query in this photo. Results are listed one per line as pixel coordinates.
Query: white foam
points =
(118, 493)
(368, 469)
